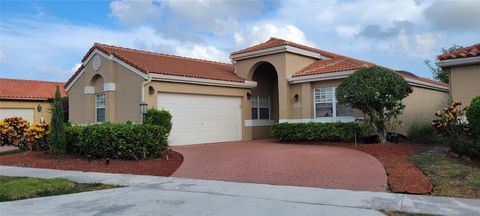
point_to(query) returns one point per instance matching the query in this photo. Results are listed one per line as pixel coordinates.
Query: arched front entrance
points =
(264, 100)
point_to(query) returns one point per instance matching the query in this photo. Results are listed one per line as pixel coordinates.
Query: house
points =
(29, 99)
(275, 81)
(463, 67)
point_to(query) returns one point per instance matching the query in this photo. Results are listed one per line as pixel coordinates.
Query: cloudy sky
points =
(47, 39)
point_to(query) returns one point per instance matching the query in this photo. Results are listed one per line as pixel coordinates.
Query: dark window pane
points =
(100, 114)
(254, 113)
(264, 113)
(324, 110)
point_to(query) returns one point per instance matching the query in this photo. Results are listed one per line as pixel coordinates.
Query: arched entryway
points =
(264, 100)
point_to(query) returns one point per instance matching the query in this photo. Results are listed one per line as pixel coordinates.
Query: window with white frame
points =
(326, 104)
(100, 107)
(260, 107)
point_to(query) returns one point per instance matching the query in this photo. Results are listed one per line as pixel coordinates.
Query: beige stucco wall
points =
(464, 83)
(46, 112)
(169, 87)
(122, 104)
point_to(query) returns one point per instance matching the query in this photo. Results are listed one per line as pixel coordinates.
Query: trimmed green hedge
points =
(318, 132)
(159, 117)
(118, 141)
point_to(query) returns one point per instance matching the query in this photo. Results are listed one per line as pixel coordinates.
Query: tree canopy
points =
(378, 93)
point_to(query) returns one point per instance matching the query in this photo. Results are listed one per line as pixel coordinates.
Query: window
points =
(260, 107)
(326, 104)
(100, 107)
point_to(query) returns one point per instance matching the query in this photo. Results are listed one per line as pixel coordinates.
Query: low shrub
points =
(473, 117)
(423, 134)
(118, 141)
(159, 117)
(451, 125)
(73, 134)
(12, 131)
(36, 137)
(315, 131)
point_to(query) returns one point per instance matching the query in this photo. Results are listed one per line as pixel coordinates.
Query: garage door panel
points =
(27, 114)
(202, 118)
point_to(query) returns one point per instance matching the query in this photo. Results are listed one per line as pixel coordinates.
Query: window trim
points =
(334, 105)
(257, 107)
(104, 107)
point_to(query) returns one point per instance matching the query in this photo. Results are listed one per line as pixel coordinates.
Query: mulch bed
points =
(403, 176)
(39, 159)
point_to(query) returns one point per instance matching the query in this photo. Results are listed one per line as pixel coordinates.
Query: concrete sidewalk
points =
(151, 195)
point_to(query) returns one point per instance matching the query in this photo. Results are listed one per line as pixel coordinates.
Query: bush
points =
(473, 117)
(73, 136)
(159, 117)
(423, 134)
(58, 143)
(12, 131)
(36, 137)
(118, 141)
(315, 131)
(452, 126)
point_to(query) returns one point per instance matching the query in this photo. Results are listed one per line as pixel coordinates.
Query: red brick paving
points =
(269, 162)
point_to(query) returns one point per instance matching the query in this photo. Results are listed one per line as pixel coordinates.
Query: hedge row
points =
(117, 141)
(318, 132)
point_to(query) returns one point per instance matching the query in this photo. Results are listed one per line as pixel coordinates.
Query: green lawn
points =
(450, 177)
(15, 188)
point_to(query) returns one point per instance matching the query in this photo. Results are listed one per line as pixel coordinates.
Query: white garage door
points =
(202, 119)
(24, 113)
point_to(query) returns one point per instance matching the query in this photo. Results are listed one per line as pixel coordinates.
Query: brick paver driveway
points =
(269, 162)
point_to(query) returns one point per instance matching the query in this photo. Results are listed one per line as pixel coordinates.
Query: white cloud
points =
(207, 52)
(261, 32)
(133, 13)
(76, 66)
(51, 48)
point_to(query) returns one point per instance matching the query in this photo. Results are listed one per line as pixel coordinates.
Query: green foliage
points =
(57, 130)
(74, 135)
(423, 134)
(473, 117)
(378, 93)
(451, 125)
(118, 141)
(159, 117)
(438, 73)
(318, 132)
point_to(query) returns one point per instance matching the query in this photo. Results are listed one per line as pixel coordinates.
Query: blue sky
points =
(47, 39)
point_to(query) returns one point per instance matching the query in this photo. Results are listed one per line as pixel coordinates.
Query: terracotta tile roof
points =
(471, 51)
(328, 66)
(424, 79)
(28, 89)
(150, 62)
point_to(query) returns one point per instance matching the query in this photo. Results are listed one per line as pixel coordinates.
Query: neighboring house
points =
(463, 67)
(29, 99)
(275, 81)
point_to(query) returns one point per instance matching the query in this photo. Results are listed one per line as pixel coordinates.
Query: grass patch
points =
(449, 176)
(15, 188)
(13, 151)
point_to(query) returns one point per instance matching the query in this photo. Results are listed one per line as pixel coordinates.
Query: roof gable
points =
(29, 89)
(157, 63)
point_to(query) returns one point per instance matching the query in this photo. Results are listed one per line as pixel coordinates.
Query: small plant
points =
(452, 125)
(473, 117)
(58, 138)
(159, 117)
(12, 131)
(424, 134)
(36, 137)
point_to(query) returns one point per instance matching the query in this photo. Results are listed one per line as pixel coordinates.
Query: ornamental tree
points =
(58, 142)
(378, 93)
